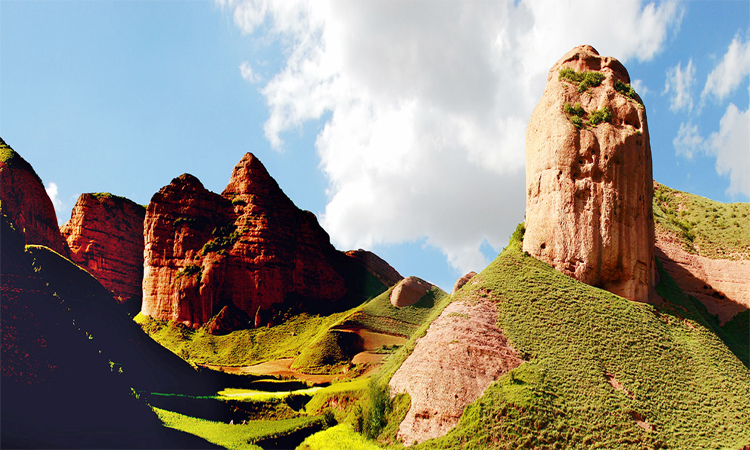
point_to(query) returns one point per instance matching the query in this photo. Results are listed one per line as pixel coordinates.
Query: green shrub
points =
(224, 237)
(582, 80)
(190, 270)
(590, 79)
(627, 90)
(599, 116)
(574, 110)
(577, 121)
(377, 408)
(570, 75)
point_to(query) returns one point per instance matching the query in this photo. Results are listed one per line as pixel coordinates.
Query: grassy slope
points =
(706, 227)
(715, 230)
(340, 437)
(379, 315)
(236, 436)
(243, 347)
(676, 374)
(294, 337)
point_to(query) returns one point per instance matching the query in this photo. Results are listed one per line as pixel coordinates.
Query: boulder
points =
(408, 291)
(589, 177)
(26, 203)
(105, 237)
(462, 281)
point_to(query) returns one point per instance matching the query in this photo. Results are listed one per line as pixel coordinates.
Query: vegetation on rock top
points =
(582, 80)
(16, 161)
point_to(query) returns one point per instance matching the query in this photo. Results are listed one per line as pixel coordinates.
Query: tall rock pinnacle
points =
(589, 178)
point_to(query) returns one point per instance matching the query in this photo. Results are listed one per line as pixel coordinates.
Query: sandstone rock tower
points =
(589, 181)
(105, 236)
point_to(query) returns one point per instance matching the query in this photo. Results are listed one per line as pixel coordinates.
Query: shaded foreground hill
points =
(60, 385)
(602, 371)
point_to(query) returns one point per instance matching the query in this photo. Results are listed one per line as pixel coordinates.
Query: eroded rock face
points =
(720, 284)
(408, 291)
(26, 203)
(589, 189)
(249, 247)
(376, 266)
(461, 354)
(105, 237)
(462, 281)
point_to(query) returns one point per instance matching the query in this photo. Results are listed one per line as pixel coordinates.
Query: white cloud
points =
(731, 145)
(688, 141)
(52, 192)
(429, 103)
(733, 68)
(679, 83)
(640, 87)
(248, 74)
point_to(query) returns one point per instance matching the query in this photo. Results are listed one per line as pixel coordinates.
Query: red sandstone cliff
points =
(588, 176)
(249, 247)
(26, 203)
(105, 237)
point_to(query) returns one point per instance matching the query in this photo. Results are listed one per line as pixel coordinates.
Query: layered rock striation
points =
(26, 203)
(461, 354)
(249, 247)
(105, 237)
(589, 177)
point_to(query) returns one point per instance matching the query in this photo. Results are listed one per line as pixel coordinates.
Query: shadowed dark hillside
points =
(58, 389)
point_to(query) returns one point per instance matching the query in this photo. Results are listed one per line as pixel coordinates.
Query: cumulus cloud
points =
(426, 104)
(679, 83)
(688, 141)
(640, 87)
(53, 193)
(246, 70)
(730, 146)
(733, 68)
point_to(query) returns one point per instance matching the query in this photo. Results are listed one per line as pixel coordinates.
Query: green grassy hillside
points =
(705, 227)
(379, 315)
(603, 372)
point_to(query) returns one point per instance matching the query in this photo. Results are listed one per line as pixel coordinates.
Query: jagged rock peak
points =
(250, 177)
(589, 176)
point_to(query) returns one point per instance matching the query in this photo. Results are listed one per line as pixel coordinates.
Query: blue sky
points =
(400, 124)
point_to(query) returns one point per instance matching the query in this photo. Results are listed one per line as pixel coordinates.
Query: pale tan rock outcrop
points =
(461, 354)
(462, 281)
(105, 237)
(588, 204)
(408, 291)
